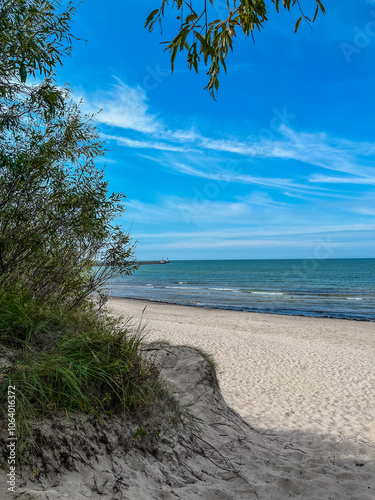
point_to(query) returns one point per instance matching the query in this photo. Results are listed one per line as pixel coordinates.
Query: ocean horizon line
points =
(281, 258)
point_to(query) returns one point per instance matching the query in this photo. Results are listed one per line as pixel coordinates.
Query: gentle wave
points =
(253, 292)
(336, 288)
(226, 289)
(183, 287)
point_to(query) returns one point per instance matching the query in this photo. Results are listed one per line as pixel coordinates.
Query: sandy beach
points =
(283, 373)
(300, 421)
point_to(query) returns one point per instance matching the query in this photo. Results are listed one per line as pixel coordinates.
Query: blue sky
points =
(281, 166)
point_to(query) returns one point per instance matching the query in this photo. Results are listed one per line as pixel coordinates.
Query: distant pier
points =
(151, 262)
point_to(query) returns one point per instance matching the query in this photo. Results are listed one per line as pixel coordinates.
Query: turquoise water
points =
(342, 288)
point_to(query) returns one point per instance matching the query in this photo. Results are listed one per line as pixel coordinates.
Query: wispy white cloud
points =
(127, 108)
(364, 211)
(256, 215)
(296, 167)
(315, 149)
(255, 233)
(188, 211)
(255, 221)
(123, 107)
(262, 199)
(143, 144)
(214, 171)
(322, 242)
(189, 135)
(323, 179)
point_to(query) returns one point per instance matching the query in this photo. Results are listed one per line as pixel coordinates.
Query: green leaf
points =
(321, 6)
(173, 57)
(190, 18)
(297, 24)
(151, 16)
(23, 73)
(316, 13)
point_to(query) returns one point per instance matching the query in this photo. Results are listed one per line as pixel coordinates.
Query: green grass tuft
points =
(75, 361)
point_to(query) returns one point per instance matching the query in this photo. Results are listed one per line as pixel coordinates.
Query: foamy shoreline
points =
(223, 308)
(280, 372)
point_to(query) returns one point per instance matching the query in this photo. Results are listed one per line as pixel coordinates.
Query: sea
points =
(334, 288)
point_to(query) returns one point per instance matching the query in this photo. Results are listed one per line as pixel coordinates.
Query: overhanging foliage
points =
(202, 35)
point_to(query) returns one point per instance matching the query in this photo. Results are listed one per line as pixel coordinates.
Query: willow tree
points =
(207, 28)
(56, 214)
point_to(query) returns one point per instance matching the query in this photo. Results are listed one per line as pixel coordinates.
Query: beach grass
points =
(72, 361)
